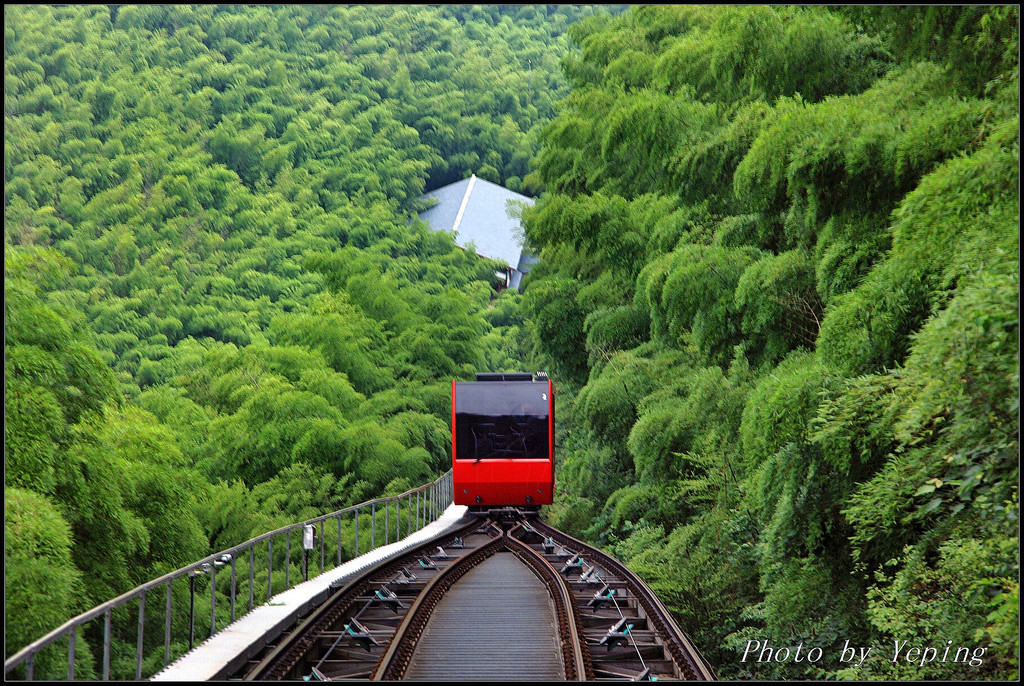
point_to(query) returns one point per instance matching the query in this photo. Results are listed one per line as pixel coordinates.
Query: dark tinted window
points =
(496, 419)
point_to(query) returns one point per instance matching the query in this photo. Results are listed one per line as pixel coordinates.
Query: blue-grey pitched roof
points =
(477, 211)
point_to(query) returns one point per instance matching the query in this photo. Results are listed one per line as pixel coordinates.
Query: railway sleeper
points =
(381, 635)
(612, 605)
(610, 614)
(377, 606)
(601, 623)
(356, 672)
(344, 652)
(619, 671)
(634, 634)
(626, 652)
(382, 622)
(352, 657)
(591, 587)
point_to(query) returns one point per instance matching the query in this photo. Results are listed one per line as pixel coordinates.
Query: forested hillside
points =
(778, 293)
(779, 283)
(218, 317)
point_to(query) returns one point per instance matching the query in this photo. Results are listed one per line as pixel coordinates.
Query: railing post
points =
(106, 644)
(191, 608)
(252, 566)
(322, 522)
(270, 566)
(233, 588)
(339, 540)
(138, 642)
(386, 522)
(167, 623)
(213, 599)
(71, 654)
(287, 557)
(373, 526)
(357, 532)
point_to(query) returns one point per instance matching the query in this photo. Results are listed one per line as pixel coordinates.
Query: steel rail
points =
(691, 662)
(396, 658)
(575, 654)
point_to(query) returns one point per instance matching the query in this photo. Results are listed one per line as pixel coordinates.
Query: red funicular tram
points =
(503, 441)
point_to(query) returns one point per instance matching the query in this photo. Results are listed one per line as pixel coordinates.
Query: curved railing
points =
(421, 506)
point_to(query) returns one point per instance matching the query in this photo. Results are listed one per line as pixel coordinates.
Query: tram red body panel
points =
(503, 438)
(500, 482)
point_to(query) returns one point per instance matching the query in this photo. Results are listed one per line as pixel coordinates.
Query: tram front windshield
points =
(506, 420)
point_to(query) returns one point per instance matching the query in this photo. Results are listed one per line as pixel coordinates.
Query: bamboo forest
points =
(777, 288)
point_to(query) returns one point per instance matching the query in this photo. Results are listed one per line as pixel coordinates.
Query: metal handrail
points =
(430, 501)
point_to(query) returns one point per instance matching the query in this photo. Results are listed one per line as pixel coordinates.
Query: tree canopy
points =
(781, 245)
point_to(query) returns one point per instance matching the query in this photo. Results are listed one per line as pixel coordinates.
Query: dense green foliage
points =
(219, 316)
(778, 293)
(779, 284)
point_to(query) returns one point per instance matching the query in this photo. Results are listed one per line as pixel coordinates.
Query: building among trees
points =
(483, 216)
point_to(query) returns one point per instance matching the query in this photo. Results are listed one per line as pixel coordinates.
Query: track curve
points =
(506, 598)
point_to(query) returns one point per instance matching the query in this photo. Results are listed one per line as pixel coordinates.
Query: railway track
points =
(643, 639)
(498, 598)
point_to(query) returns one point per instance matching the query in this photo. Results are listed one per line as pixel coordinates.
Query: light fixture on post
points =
(308, 538)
